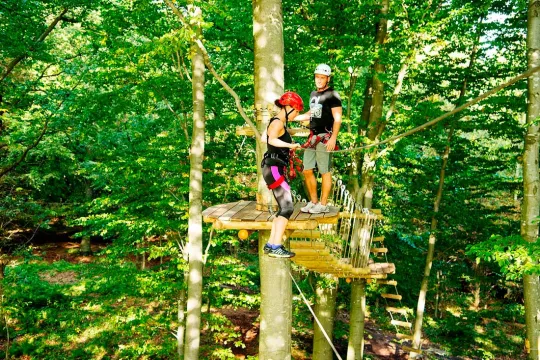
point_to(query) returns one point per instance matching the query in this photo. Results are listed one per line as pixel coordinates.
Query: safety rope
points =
(479, 98)
(315, 317)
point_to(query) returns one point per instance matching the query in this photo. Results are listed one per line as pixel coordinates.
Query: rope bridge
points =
(342, 248)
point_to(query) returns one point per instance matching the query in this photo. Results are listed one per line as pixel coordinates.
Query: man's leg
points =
(311, 185)
(326, 187)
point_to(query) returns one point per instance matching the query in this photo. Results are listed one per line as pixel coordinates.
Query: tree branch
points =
(485, 95)
(21, 57)
(210, 67)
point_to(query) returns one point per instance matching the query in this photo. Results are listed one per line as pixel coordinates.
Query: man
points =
(324, 117)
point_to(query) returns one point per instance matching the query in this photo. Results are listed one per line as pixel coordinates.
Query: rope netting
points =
(349, 240)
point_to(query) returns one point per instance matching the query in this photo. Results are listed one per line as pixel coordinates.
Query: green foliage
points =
(514, 256)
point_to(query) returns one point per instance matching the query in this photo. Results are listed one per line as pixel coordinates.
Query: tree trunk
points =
(86, 246)
(195, 234)
(276, 291)
(420, 307)
(325, 310)
(365, 195)
(355, 350)
(531, 182)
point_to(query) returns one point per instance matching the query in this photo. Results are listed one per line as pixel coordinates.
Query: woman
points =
(274, 164)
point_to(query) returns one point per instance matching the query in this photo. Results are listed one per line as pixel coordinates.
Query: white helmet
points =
(323, 69)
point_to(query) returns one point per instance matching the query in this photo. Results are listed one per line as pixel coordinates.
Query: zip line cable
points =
(485, 95)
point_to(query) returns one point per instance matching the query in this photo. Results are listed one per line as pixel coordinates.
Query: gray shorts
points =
(321, 159)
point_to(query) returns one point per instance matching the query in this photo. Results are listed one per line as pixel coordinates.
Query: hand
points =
(295, 146)
(331, 144)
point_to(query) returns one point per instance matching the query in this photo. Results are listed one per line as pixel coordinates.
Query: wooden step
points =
(378, 239)
(311, 252)
(378, 250)
(295, 244)
(387, 282)
(392, 296)
(305, 234)
(402, 336)
(411, 349)
(403, 311)
(401, 323)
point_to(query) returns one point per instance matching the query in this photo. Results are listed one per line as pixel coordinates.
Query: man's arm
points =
(336, 113)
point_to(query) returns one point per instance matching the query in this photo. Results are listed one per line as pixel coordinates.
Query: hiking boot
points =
(267, 248)
(281, 252)
(308, 206)
(319, 209)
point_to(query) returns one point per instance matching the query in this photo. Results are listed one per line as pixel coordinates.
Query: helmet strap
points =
(287, 115)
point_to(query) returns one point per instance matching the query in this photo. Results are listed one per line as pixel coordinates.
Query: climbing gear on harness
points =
(313, 140)
(292, 99)
(295, 164)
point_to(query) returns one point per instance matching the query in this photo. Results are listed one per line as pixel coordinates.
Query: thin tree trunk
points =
(531, 182)
(195, 234)
(355, 350)
(276, 286)
(325, 310)
(365, 195)
(18, 59)
(420, 307)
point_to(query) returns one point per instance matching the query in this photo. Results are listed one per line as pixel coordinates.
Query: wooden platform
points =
(311, 251)
(243, 215)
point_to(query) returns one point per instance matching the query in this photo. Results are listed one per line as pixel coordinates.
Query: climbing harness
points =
(277, 183)
(313, 140)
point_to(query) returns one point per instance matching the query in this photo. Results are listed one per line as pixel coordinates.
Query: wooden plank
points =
(307, 234)
(306, 244)
(411, 349)
(262, 225)
(218, 210)
(264, 216)
(232, 211)
(391, 296)
(378, 239)
(384, 268)
(401, 323)
(402, 336)
(312, 252)
(248, 213)
(403, 311)
(296, 211)
(387, 282)
(378, 250)
(303, 215)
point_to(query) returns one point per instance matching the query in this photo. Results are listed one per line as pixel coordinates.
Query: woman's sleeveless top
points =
(278, 155)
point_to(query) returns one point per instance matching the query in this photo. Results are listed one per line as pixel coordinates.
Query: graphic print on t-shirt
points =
(315, 108)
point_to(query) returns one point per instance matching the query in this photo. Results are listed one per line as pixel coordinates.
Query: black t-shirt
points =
(320, 106)
(281, 153)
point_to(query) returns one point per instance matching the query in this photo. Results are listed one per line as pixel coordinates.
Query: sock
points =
(274, 247)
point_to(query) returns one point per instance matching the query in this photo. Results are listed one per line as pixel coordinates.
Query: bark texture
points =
(325, 310)
(276, 291)
(195, 234)
(531, 182)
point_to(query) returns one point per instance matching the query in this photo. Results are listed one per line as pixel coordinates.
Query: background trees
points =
(96, 122)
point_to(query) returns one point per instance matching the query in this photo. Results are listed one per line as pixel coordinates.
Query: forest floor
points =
(379, 344)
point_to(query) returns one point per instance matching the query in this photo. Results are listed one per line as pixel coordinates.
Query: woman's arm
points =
(275, 130)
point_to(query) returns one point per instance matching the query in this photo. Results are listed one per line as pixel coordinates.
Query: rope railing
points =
(349, 240)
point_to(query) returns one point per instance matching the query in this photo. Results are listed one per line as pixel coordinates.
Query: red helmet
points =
(292, 99)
